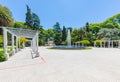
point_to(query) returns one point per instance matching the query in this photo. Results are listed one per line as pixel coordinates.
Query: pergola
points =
(18, 32)
(110, 43)
(78, 44)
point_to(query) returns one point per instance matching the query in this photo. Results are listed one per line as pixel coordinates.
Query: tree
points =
(86, 42)
(87, 27)
(58, 34)
(5, 16)
(19, 25)
(48, 34)
(75, 35)
(36, 21)
(81, 33)
(95, 27)
(29, 21)
(108, 33)
(64, 34)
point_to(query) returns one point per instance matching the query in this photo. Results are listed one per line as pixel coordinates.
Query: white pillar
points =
(109, 44)
(112, 43)
(5, 42)
(82, 44)
(37, 42)
(79, 44)
(17, 44)
(101, 44)
(119, 44)
(13, 50)
(23, 44)
(37, 37)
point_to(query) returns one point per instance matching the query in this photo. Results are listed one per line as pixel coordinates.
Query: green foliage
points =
(1, 41)
(2, 57)
(74, 35)
(87, 27)
(36, 21)
(32, 19)
(19, 25)
(108, 33)
(81, 33)
(64, 42)
(97, 44)
(64, 34)
(5, 16)
(29, 21)
(95, 27)
(49, 34)
(86, 42)
(58, 34)
(22, 40)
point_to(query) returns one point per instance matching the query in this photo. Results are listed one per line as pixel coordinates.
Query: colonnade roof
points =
(19, 32)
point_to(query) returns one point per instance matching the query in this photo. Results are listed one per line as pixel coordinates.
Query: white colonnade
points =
(17, 33)
(108, 43)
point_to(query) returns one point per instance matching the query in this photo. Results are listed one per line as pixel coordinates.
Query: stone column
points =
(112, 43)
(79, 44)
(82, 44)
(31, 43)
(13, 50)
(109, 44)
(104, 44)
(16, 43)
(37, 42)
(101, 44)
(19, 43)
(37, 37)
(5, 42)
(23, 44)
(119, 44)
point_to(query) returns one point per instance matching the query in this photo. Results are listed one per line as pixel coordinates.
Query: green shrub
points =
(97, 44)
(64, 42)
(86, 42)
(1, 41)
(2, 57)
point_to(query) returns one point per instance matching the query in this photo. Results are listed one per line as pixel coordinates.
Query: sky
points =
(69, 13)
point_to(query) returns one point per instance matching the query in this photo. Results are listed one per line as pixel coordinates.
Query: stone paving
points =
(96, 65)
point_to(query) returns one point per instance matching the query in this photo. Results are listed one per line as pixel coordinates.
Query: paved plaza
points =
(96, 65)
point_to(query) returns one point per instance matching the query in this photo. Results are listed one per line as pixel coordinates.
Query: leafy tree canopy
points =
(19, 25)
(5, 16)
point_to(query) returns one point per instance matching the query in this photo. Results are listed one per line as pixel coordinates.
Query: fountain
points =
(69, 39)
(69, 46)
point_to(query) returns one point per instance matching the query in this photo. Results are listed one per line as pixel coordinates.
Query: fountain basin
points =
(67, 47)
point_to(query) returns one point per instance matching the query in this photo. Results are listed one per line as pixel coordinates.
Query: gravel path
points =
(96, 65)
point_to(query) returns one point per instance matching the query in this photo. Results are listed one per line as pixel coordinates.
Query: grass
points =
(86, 48)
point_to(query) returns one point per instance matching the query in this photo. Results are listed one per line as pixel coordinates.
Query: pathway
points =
(96, 65)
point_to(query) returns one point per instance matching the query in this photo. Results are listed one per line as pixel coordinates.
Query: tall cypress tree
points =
(58, 34)
(87, 27)
(64, 34)
(36, 21)
(29, 21)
